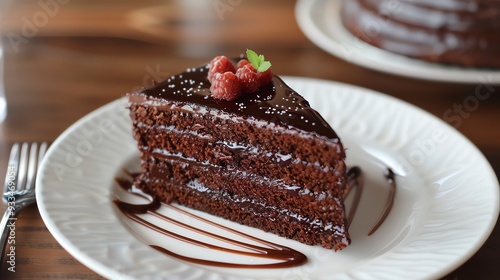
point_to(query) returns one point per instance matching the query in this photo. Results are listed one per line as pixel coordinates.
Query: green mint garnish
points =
(258, 62)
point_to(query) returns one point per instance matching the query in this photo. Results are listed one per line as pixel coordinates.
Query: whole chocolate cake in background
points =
(459, 32)
(231, 139)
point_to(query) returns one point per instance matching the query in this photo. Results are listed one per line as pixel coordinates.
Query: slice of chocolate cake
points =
(264, 159)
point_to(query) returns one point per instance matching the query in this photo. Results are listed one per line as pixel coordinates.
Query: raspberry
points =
(225, 86)
(248, 79)
(220, 64)
(265, 77)
(242, 63)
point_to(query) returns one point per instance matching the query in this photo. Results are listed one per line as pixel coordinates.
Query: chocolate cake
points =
(265, 160)
(461, 32)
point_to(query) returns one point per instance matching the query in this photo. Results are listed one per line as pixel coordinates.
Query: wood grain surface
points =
(77, 55)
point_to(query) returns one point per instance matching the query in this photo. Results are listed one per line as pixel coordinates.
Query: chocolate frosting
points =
(276, 103)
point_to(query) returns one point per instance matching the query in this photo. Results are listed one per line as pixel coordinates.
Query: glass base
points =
(3, 108)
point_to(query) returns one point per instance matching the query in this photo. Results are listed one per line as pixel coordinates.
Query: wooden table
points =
(78, 55)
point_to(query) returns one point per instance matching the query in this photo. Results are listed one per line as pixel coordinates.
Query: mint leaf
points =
(258, 61)
(253, 58)
(264, 66)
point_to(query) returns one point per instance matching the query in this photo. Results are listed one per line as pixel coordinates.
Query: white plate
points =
(320, 21)
(446, 204)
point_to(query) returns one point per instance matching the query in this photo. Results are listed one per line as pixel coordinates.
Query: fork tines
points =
(24, 161)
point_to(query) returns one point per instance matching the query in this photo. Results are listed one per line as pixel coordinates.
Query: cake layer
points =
(252, 159)
(214, 179)
(213, 124)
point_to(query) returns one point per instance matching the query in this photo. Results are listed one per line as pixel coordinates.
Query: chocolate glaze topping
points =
(276, 102)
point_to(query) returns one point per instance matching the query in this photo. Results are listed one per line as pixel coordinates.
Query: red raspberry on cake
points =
(265, 77)
(242, 63)
(225, 86)
(229, 83)
(248, 78)
(220, 64)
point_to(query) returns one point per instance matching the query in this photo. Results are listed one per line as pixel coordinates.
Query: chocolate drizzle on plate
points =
(389, 175)
(282, 256)
(355, 181)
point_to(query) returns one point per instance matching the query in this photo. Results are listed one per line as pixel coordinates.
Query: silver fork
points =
(19, 186)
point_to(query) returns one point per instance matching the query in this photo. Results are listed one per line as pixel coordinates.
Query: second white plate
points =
(320, 21)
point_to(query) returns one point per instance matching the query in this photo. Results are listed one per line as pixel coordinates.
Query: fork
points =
(19, 186)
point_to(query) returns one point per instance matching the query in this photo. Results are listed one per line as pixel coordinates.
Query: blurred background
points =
(65, 58)
(97, 50)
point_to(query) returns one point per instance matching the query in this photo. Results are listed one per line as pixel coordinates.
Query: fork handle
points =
(8, 222)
